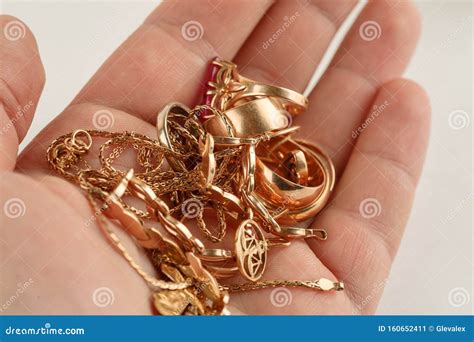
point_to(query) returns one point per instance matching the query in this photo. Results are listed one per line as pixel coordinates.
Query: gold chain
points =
(212, 180)
(259, 285)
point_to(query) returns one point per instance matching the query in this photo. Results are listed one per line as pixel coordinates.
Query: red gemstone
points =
(211, 76)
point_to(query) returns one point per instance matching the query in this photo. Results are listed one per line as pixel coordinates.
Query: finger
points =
(369, 211)
(166, 58)
(290, 40)
(364, 61)
(21, 82)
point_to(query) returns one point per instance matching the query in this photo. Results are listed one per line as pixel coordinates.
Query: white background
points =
(435, 258)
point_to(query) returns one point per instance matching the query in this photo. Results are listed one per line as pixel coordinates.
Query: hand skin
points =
(377, 156)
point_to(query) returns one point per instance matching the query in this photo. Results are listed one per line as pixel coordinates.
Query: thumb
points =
(21, 82)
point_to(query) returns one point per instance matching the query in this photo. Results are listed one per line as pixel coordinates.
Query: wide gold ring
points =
(299, 202)
(250, 119)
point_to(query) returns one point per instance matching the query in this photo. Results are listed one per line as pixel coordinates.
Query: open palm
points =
(373, 124)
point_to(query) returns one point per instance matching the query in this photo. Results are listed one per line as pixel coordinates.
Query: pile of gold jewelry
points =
(229, 166)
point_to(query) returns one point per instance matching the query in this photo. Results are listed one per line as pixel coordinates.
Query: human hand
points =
(378, 151)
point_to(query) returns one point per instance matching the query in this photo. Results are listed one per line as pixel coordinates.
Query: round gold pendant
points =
(251, 250)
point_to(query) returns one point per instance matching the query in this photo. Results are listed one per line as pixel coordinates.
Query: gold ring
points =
(300, 202)
(225, 88)
(250, 119)
(172, 111)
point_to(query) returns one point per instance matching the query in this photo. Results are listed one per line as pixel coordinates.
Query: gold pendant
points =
(251, 250)
(177, 302)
